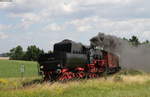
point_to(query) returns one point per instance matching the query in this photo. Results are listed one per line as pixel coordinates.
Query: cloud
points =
(54, 27)
(121, 28)
(54, 20)
(21, 6)
(4, 5)
(105, 8)
(3, 36)
(31, 12)
(27, 19)
(146, 35)
(4, 27)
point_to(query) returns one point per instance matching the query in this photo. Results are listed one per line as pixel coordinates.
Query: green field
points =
(11, 68)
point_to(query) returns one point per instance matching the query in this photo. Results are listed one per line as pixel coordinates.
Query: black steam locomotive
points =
(71, 60)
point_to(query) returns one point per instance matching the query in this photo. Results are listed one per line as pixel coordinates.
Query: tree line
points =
(135, 41)
(31, 54)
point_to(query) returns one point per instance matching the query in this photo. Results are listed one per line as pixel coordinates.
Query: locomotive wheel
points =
(66, 76)
(80, 75)
(93, 75)
(47, 76)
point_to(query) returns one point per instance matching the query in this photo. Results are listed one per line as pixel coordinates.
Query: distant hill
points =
(1, 55)
(4, 55)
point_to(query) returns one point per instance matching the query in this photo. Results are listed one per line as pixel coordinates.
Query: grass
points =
(123, 84)
(131, 72)
(129, 86)
(11, 68)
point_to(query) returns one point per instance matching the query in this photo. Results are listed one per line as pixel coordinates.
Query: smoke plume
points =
(135, 57)
(131, 57)
(107, 42)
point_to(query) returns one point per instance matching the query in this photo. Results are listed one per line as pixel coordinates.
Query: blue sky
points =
(44, 22)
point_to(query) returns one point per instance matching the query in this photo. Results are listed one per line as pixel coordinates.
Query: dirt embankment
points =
(4, 58)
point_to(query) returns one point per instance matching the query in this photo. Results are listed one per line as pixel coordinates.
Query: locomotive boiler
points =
(71, 60)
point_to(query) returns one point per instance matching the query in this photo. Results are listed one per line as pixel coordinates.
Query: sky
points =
(45, 22)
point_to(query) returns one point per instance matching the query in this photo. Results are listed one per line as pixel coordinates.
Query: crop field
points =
(11, 68)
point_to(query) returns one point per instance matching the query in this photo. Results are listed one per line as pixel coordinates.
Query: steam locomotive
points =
(71, 60)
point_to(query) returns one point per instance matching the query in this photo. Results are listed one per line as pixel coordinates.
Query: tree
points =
(33, 53)
(134, 41)
(16, 53)
(49, 52)
(146, 42)
(125, 39)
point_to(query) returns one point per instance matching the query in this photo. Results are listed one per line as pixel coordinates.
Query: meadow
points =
(123, 84)
(11, 68)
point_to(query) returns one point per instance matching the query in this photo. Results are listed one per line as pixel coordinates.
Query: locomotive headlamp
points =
(41, 67)
(59, 65)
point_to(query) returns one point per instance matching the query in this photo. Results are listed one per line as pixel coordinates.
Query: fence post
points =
(22, 69)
